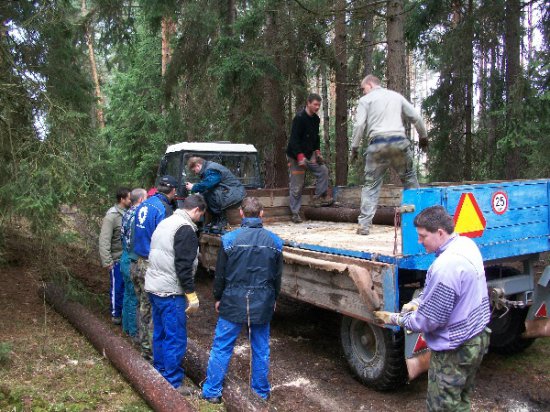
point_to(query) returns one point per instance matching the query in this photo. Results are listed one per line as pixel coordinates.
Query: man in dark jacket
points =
(220, 188)
(247, 283)
(304, 153)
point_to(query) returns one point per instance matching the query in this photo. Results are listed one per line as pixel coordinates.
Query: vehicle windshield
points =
(243, 165)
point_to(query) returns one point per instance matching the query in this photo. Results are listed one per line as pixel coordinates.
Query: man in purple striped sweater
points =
(452, 312)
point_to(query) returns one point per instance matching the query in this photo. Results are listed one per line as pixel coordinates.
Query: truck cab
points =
(241, 159)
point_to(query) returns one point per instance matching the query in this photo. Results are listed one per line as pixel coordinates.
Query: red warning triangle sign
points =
(469, 219)
(542, 313)
(420, 344)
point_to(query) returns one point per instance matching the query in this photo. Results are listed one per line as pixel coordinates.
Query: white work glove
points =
(384, 317)
(409, 307)
(192, 303)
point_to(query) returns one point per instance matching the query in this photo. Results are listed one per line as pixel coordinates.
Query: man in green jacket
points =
(110, 250)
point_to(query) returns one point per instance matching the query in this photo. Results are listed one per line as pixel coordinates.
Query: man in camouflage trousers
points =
(452, 311)
(127, 260)
(381, 111)
(148, 215)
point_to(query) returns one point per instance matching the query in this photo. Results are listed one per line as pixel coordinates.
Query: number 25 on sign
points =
(500, 202)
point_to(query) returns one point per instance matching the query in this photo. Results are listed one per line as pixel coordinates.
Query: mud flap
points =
(537, 323)
(417, 354)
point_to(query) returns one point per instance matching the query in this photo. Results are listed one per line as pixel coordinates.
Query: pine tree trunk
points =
(168, 28)
(396, 65)
(469, 80)
(93, 67)
(341, 125)
(326, 117)
(512, 41)
(275, 108)
(368, 30)
(396, 59)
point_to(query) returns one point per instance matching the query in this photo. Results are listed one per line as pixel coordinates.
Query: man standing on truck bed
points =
(452, 312)
(380, 111)
(148, 215)
(247, 283)
(110, 250)
(304, 153)
(220, 188)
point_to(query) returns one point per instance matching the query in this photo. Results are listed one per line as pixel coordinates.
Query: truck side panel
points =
(522, 228)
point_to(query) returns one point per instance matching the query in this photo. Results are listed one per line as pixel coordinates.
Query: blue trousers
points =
(129, 303)
(169, 336)
(220, 356)
(116, 291)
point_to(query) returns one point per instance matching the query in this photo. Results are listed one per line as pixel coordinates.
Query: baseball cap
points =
(168, 180)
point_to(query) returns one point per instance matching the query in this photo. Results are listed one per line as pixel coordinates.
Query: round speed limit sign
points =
(500, 202)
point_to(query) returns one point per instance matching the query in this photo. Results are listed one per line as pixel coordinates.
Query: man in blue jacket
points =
(148, 215)
(220, 188)
(246, 286)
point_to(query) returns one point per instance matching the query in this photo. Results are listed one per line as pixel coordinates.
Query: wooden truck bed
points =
(382, 240)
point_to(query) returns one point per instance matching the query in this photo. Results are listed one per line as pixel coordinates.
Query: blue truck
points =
(328, 265)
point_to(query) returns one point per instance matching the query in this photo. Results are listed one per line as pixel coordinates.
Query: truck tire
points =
(375, 354)
(506, 331)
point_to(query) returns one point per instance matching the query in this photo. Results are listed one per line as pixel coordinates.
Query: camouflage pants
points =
(382, 153)
(452, 373)
(145, 322)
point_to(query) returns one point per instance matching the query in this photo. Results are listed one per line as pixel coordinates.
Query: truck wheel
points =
(375, 354)
(506, 337)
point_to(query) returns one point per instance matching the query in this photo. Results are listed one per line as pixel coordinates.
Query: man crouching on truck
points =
(220, 188)
(247, 283)
(452, 311)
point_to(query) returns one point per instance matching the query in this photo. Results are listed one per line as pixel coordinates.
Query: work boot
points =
(321, 201)
(296, 218)
(363, 231)
(215, 399)
(187, 390)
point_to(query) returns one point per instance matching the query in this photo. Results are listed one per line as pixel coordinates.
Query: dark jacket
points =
(225, 192)
(304, 136)
(248, 273)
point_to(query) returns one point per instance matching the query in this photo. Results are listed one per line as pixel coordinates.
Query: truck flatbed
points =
(316, 235)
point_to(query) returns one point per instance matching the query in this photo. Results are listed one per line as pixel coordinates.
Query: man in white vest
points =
(169, 280)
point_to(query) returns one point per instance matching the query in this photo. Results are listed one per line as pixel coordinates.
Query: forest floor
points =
(45, 365)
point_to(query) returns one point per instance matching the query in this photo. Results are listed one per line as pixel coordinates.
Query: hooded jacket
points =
(110, 245)
(248, 273)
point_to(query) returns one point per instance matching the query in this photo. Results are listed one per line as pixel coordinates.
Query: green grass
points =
(5, 352)
(534, 358)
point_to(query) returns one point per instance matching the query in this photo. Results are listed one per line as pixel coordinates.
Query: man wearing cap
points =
(110, 250)
(381, 112)
(304, 153)
(148, 215)
(170, 283)
(220, 188)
